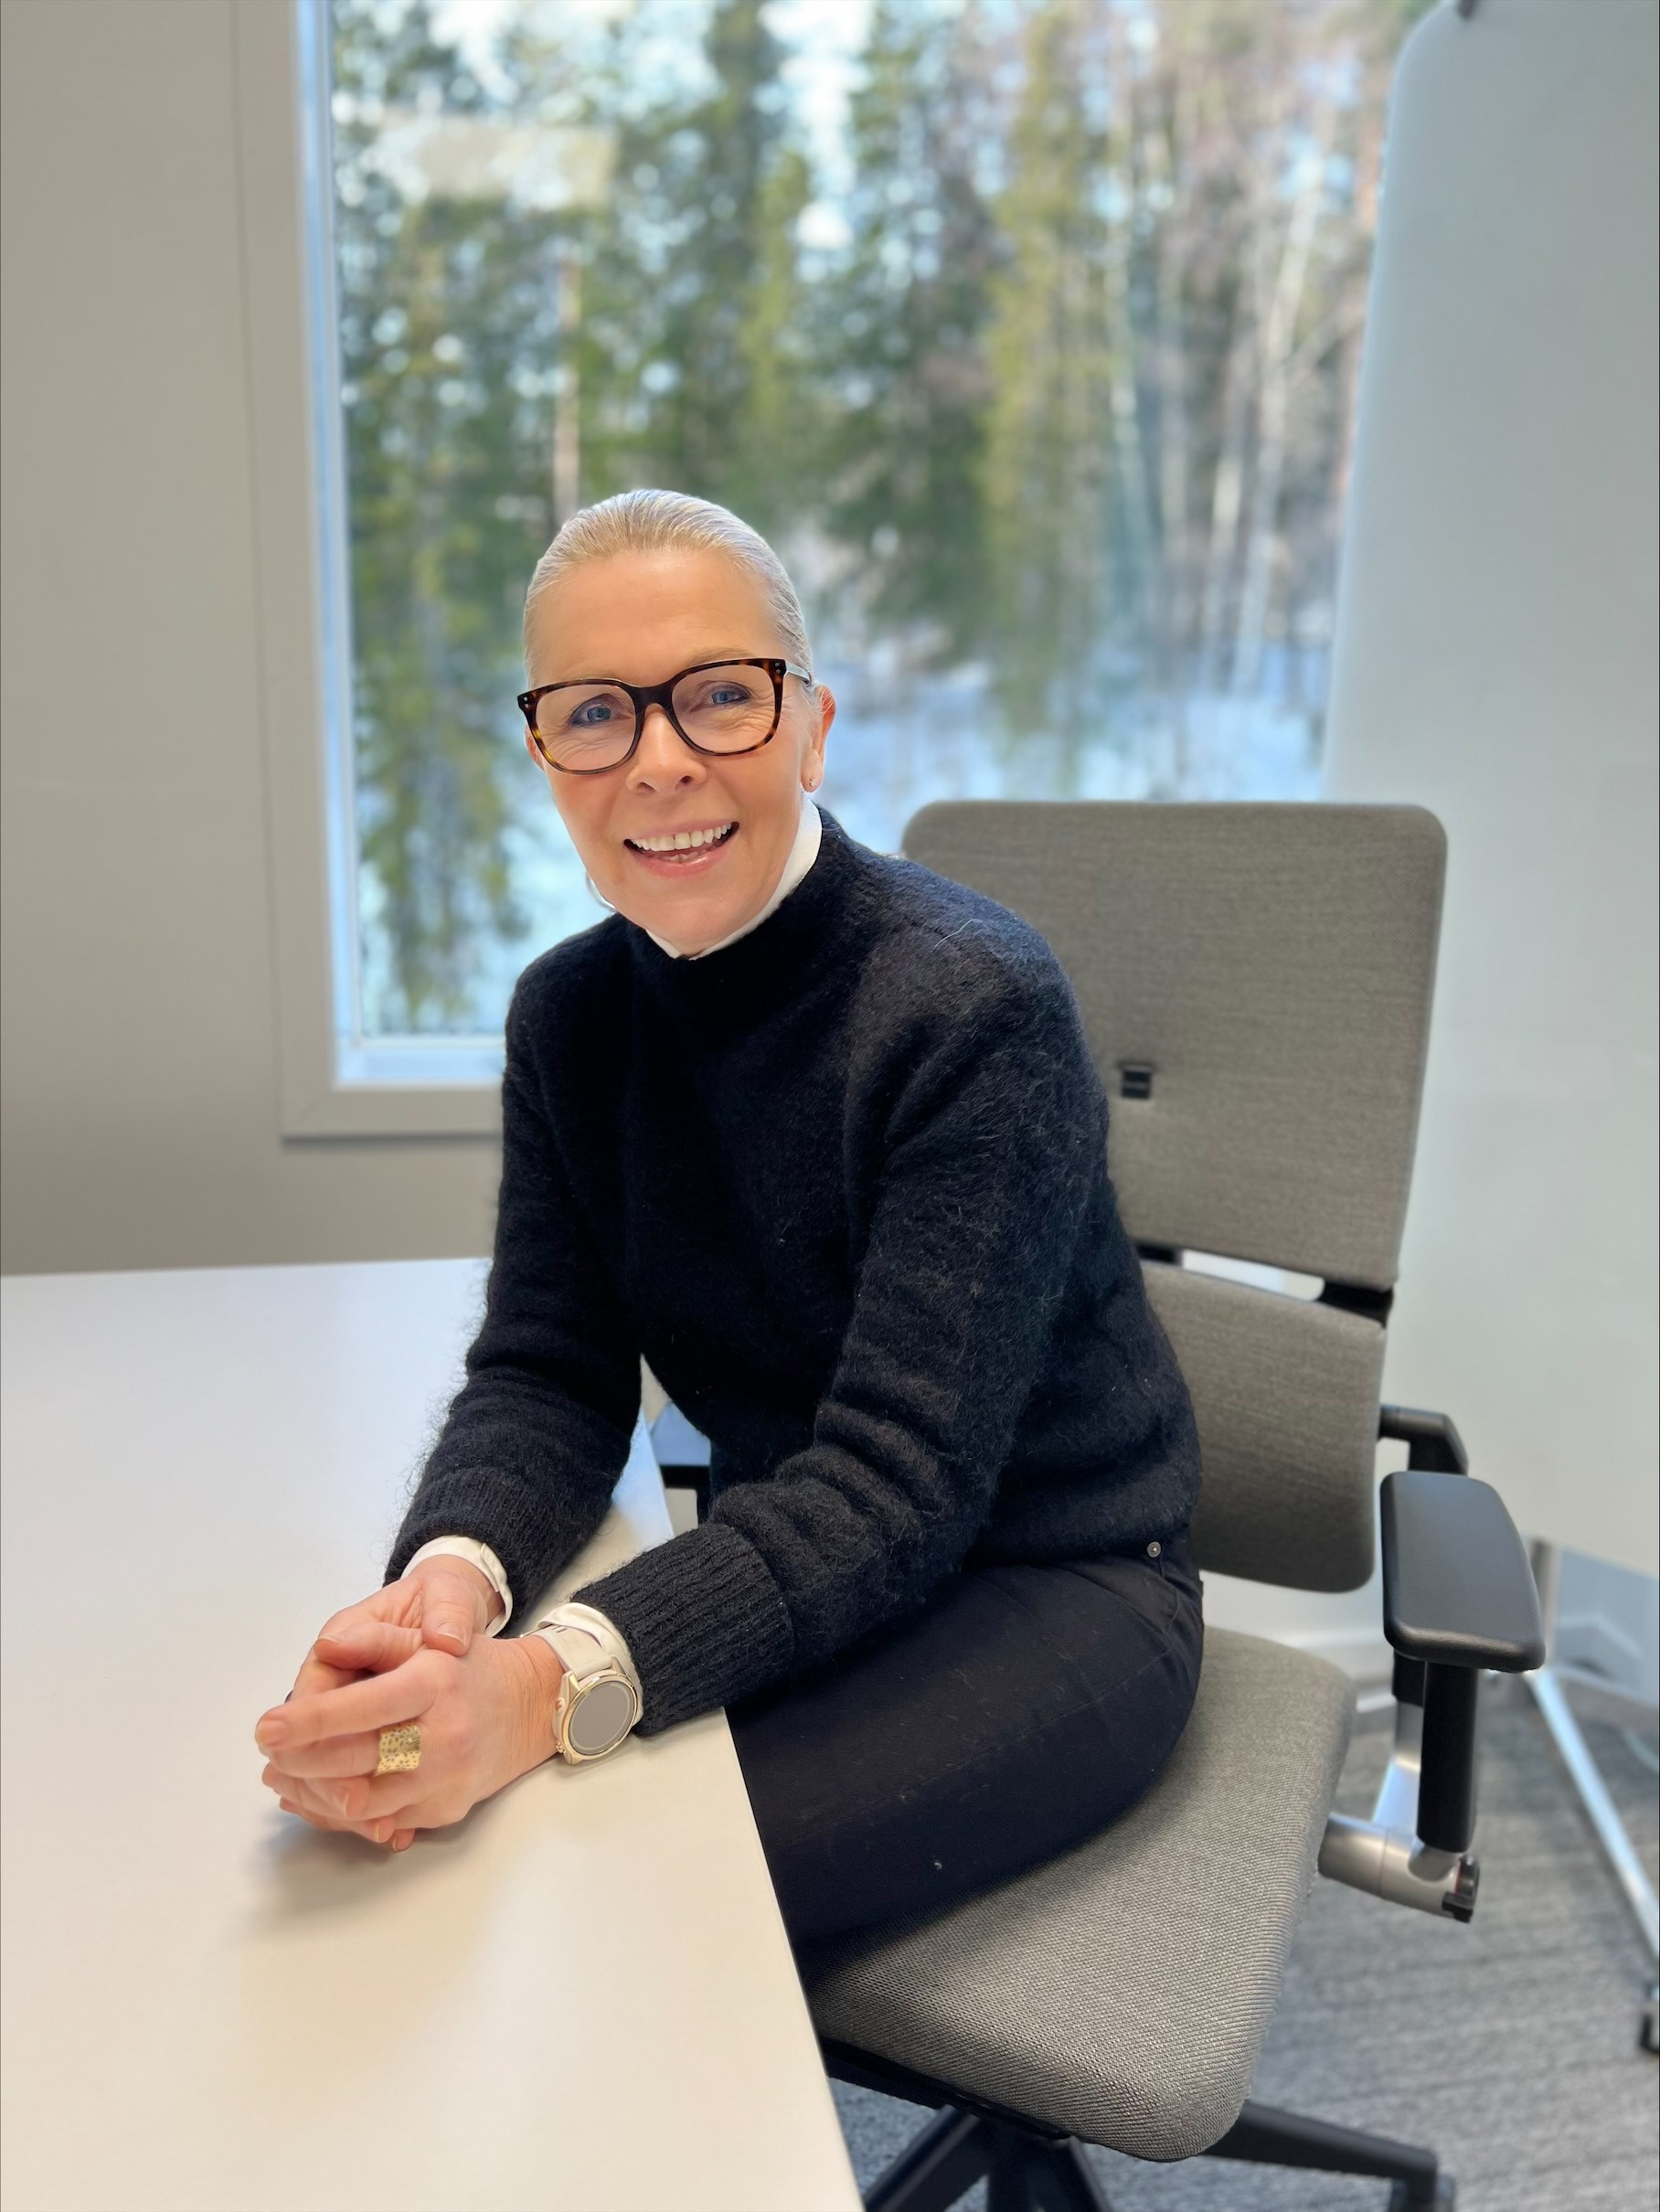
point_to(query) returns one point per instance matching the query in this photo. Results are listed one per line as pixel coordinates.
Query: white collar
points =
(802, 854)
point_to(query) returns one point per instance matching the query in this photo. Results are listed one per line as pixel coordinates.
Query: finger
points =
(335, 1757)
(375, 1828)
(457, 1600)
(449, 1627)
(317, 1674)
(367, 1646)
(316, 1819)
(304, 1803)
(449, 1609)
(360, 1799)
(380, 1702)
(399, 1602)
(313, 1678)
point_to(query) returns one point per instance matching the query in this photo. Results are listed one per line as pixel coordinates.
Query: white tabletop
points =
(580, 1996)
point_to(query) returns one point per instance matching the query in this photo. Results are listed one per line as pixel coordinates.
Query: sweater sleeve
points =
(992, 1148)
(537, 1437)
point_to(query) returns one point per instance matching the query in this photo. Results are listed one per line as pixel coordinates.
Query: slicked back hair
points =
(653, 522)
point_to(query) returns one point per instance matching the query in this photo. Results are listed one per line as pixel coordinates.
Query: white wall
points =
(1496, 662)
(140, 1044)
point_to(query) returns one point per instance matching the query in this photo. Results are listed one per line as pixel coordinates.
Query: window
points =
(1027, 329)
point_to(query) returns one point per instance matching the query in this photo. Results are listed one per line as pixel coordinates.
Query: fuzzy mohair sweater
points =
(844, 1184)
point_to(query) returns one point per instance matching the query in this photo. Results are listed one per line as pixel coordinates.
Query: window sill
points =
(405, 1088)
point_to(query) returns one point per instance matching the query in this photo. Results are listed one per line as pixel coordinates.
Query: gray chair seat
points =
(1122, 1993)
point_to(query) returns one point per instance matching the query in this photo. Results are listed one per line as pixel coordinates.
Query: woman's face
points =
(643, 617)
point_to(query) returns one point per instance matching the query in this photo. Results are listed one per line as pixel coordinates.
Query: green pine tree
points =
(901, 328)
(1045, 473)
(444, 306)
(693, 357)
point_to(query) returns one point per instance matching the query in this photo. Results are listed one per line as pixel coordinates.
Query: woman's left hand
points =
(485, 1720)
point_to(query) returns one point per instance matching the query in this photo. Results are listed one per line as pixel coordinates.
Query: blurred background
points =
(1029, 329)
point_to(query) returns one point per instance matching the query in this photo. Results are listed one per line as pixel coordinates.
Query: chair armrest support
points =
(1458, 1596)
(1433, 1442)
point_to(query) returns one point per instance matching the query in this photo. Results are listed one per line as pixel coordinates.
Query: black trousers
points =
(1019, 1711)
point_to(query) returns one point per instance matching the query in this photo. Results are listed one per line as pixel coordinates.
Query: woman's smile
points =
(689, 849)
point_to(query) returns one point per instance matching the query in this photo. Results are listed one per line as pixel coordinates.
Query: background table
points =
(581, 1996)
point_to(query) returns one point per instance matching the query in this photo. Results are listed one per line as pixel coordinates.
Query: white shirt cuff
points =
(480, 1555)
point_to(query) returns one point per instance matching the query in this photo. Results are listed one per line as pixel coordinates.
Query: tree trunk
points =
(1128, 444)
(567, 420)
(1279, 338)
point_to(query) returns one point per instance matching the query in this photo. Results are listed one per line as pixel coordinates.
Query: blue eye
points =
(594, 716)
(728, 695)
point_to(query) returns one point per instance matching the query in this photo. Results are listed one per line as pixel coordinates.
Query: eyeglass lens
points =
(723, 709)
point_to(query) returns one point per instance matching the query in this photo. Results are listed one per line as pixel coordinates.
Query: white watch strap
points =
(607, 1636)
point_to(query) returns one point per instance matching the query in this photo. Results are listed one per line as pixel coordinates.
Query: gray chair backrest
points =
(1255, 983)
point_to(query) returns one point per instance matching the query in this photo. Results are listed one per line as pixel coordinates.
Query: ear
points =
(813, 760)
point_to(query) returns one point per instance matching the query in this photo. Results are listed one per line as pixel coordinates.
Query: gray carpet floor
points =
(1510, 2044)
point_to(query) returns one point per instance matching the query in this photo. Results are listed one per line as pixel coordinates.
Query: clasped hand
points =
(413, 1650)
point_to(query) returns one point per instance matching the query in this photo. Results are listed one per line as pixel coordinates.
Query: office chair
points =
(1255, 984)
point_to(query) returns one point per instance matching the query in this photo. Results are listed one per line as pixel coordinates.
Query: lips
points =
(682, 847)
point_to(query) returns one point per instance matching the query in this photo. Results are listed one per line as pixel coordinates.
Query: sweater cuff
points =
(703, 1619)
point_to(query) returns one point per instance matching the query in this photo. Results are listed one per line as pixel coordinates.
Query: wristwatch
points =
(598, 1700)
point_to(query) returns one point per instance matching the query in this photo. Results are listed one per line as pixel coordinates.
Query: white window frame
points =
(334, 1081)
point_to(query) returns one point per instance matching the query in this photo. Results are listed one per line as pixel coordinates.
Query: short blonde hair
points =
(653, 522)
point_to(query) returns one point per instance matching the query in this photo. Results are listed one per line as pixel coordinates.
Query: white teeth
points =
(682, 841)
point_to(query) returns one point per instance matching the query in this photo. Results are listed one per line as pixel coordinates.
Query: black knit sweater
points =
(844, 1184)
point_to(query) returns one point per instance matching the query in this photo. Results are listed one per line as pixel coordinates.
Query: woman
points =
(816, 1133)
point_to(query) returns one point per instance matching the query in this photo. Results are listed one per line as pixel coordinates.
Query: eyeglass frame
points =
(644, 695)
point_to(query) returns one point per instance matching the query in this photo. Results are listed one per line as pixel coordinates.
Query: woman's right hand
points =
(444, 1603)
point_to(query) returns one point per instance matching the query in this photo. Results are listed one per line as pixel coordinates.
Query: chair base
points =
(1023, 2173)
(1266, 2136)
(1026, 2170)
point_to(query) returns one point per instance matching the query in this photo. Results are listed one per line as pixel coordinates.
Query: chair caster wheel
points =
(1403, 2199)
(1648, 2035)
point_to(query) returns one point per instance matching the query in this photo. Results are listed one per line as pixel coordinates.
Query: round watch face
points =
(600, 1718)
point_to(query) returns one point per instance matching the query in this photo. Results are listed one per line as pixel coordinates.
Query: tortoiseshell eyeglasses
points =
(589, 724)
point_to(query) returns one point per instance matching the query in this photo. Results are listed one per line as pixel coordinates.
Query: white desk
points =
(582, 1997)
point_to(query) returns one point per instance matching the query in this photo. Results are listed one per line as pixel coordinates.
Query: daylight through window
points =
(1027, 329)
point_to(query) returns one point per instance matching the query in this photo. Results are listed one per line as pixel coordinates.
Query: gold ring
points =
(399, 1748)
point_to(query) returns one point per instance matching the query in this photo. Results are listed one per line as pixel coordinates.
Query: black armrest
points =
(1458, 1596)
(1457, 1587)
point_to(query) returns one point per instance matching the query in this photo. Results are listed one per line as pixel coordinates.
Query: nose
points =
(663, 763)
